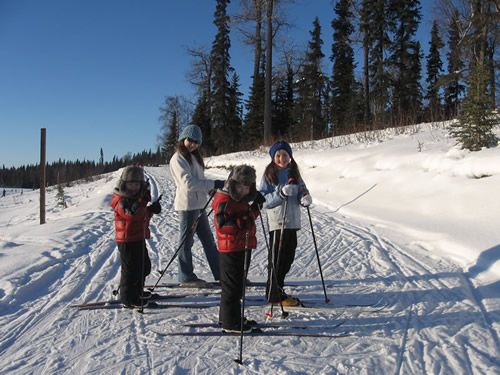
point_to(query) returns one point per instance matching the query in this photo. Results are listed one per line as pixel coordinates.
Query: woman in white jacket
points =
(187, 169)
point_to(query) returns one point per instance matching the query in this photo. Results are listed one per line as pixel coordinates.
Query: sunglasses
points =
(191, 140)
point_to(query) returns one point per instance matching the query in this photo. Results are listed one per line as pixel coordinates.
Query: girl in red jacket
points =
(235, 226)
(132, 214)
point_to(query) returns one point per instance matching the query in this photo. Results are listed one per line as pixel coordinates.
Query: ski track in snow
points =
(427, 316)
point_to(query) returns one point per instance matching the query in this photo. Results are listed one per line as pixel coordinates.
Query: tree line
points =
(63, 172)
(296, 99)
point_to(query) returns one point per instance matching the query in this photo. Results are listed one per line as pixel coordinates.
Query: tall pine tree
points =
(434, 69)
(343, 69)
(380, 25)
(222, 138)
(311, 123)
(405, 16)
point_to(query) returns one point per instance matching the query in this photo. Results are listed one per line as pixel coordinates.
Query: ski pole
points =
(186, 234)
(284, 314)
(242, 317)
(275, 265)
(327, 300)
(141, 310)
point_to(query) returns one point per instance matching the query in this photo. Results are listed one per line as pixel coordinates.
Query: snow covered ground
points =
(404, 221)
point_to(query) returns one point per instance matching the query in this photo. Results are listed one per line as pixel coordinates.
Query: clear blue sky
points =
(96, 72)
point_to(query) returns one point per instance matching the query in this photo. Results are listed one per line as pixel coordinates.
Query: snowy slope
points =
(412, 232)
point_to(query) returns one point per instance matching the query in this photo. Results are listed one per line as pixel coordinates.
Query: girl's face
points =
(133, 186)
(241, 190)
(190, 144)
(282, 159)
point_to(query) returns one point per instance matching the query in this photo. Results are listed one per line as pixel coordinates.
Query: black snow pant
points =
(231, 280)
(283, 260)
(135, 266)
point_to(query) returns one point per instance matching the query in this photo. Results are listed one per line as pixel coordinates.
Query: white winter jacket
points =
(192, 187)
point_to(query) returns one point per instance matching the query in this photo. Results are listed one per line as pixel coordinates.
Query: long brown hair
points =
(181, 149)
(271, 172)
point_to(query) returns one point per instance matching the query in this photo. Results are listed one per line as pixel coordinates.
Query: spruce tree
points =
(201, 117)
(475, 128)
(434, 69)
(235, 114)
(61, 200)
(343, 69)
(405, 17)
(311, 123)
(283, 103)
(254, 116)
(380, 25)
(454, 87)
(220, 62)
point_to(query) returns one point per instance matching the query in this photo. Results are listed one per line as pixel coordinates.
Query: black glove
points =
(156, 207)
(218, 184)
(259, 201)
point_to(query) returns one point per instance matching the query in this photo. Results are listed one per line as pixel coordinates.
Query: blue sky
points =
(95, 73)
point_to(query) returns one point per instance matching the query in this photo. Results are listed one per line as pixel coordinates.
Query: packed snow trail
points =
(428, 317)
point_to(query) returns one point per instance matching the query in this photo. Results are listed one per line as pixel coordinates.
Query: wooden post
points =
(42, 175)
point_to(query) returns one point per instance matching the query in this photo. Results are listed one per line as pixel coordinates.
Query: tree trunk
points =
(269, 73)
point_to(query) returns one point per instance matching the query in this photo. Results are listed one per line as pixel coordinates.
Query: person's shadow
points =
(486, 259)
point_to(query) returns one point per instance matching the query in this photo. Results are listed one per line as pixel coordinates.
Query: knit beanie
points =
(193, 132)
(280, 145)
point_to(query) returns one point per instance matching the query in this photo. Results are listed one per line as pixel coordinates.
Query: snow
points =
(403, 218)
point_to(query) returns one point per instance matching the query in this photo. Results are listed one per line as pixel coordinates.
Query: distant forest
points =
(64, 172)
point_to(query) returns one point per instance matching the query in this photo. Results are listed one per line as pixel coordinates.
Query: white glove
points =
(306, 200)
(289, 190)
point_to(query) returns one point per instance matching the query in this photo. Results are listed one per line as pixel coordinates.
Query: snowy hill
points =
(405, 222)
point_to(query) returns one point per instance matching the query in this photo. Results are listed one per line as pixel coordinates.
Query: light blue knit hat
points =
(193, 132)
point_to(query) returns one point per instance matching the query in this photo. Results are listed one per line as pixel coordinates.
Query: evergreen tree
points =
(201, 117)
(283, 103)
(434, 69)
(365, 18)
(60, 198)
(235, 114)
(343, 69)
(380, 25)
(311, 123)
(254, 117)
(220, 117)
(454, 87)
(405, 16)
(475, 128)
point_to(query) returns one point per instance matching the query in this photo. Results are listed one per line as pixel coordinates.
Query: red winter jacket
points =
(131, 227)
(234, 223)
